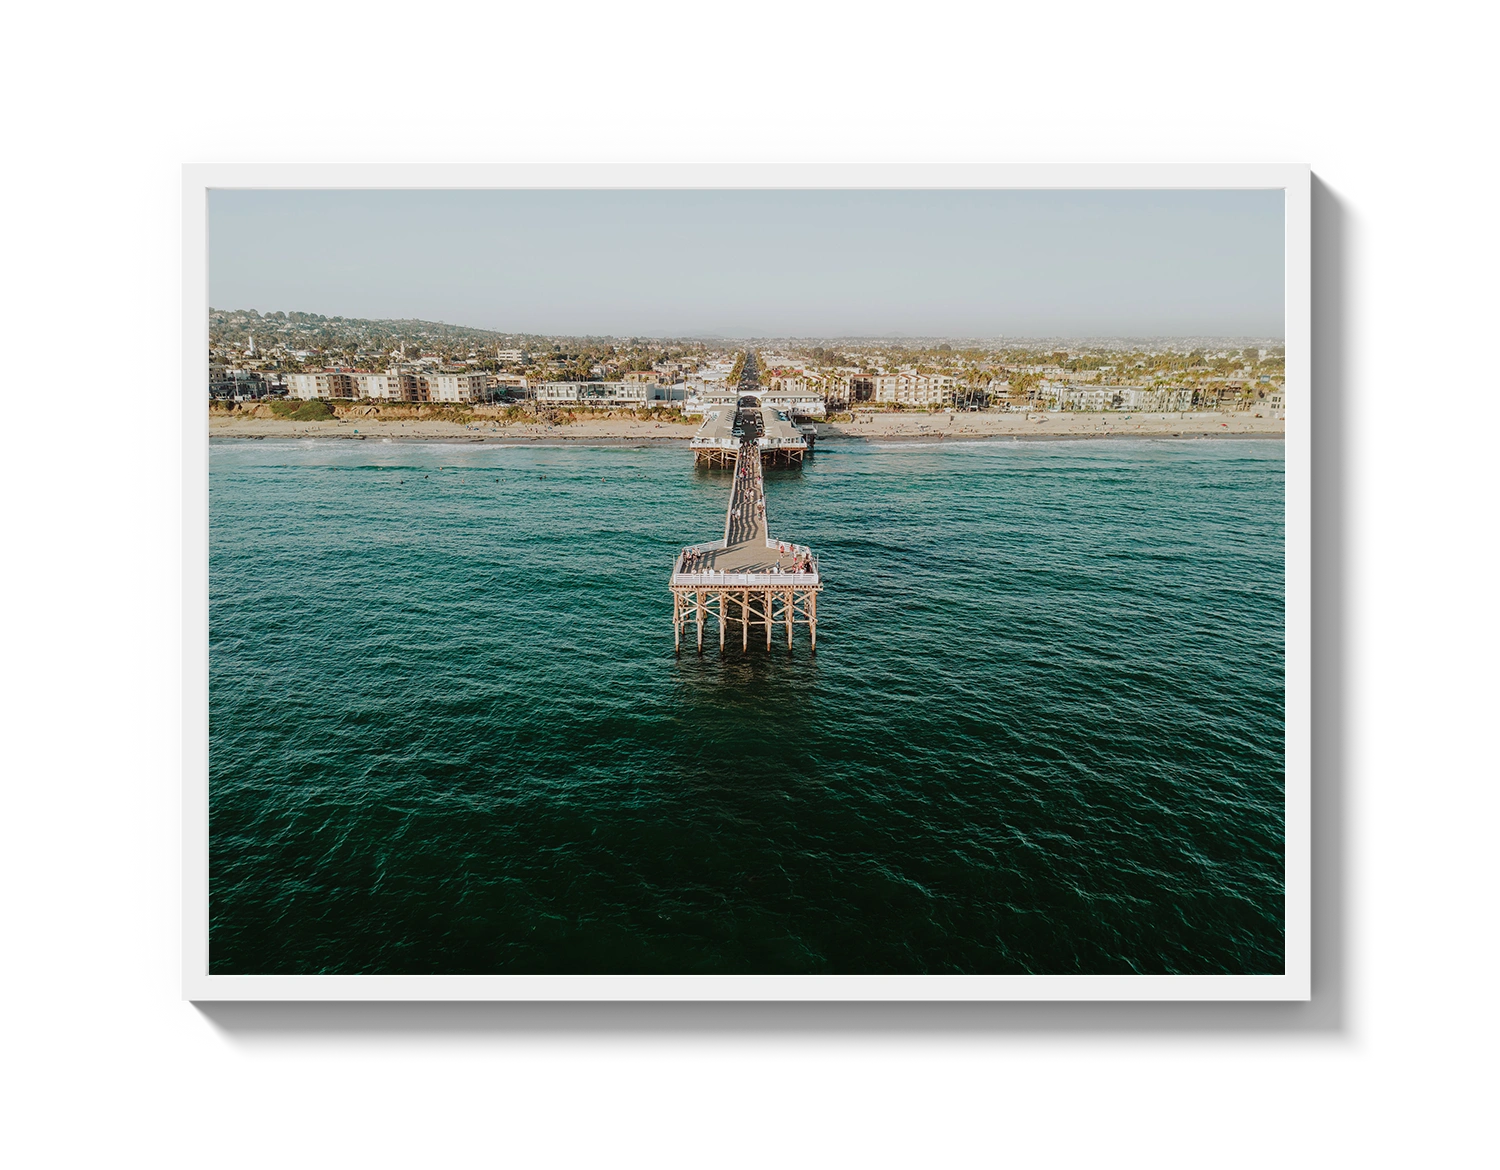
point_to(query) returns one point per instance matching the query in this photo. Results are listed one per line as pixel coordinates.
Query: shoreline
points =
(874, 428)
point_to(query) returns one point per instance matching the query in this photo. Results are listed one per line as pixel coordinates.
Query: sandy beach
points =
(490, 425)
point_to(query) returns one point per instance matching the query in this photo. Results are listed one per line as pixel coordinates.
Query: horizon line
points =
(701, 336)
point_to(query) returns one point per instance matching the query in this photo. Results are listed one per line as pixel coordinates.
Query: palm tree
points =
(1029, 392)
(976, 378)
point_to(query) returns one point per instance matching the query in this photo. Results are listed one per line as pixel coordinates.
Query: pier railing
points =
(693, 551)
(709, 579)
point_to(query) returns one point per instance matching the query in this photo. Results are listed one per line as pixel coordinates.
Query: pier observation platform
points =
(748, 578)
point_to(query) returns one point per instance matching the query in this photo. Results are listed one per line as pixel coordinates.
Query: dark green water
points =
(1043, 731)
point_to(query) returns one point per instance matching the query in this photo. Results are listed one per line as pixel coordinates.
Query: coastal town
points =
(309, 368)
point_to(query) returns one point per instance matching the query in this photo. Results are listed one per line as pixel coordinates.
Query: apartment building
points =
(407, 387)
(391, 386)
(1088, 398)
(594, 393)
(326, 384)
(799, 384)
(911, 389)
(456, 387)
(302, 385)
(385, 387)
(857, 387)
(1147, 399)
(1155, 399)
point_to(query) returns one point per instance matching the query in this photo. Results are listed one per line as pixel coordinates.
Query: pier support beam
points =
(698, 602)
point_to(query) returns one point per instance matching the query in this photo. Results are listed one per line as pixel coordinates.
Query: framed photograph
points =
(710, 583)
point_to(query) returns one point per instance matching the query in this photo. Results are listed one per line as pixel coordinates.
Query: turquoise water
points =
(1043, 731)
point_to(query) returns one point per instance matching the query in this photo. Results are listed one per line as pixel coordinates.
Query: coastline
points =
(883, 428)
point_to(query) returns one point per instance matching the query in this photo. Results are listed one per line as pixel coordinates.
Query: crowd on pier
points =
(694, 560)
(747, 508)
(747, 525)
(802, 561)
(699, 560)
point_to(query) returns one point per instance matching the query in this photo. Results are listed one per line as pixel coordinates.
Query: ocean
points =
(1043, 731)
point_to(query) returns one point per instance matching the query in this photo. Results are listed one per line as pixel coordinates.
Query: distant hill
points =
(315, 331)
(236, 323)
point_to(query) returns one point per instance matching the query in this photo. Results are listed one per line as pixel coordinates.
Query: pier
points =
(748, 578)
(727, 430)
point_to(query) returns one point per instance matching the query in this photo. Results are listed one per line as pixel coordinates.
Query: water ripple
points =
(1043, 731)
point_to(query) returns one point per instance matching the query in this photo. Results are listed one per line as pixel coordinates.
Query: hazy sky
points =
(762, 263)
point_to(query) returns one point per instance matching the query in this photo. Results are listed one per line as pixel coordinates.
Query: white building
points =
(718, 371)
(796, 384)
(806, 403)
(1091, 398)
(611, 394)
(456, 387)
(911, 389)
(1148, 399)
(382, 387)
(302, 385)
(701, 397)
(327, 384)
(390, 386)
